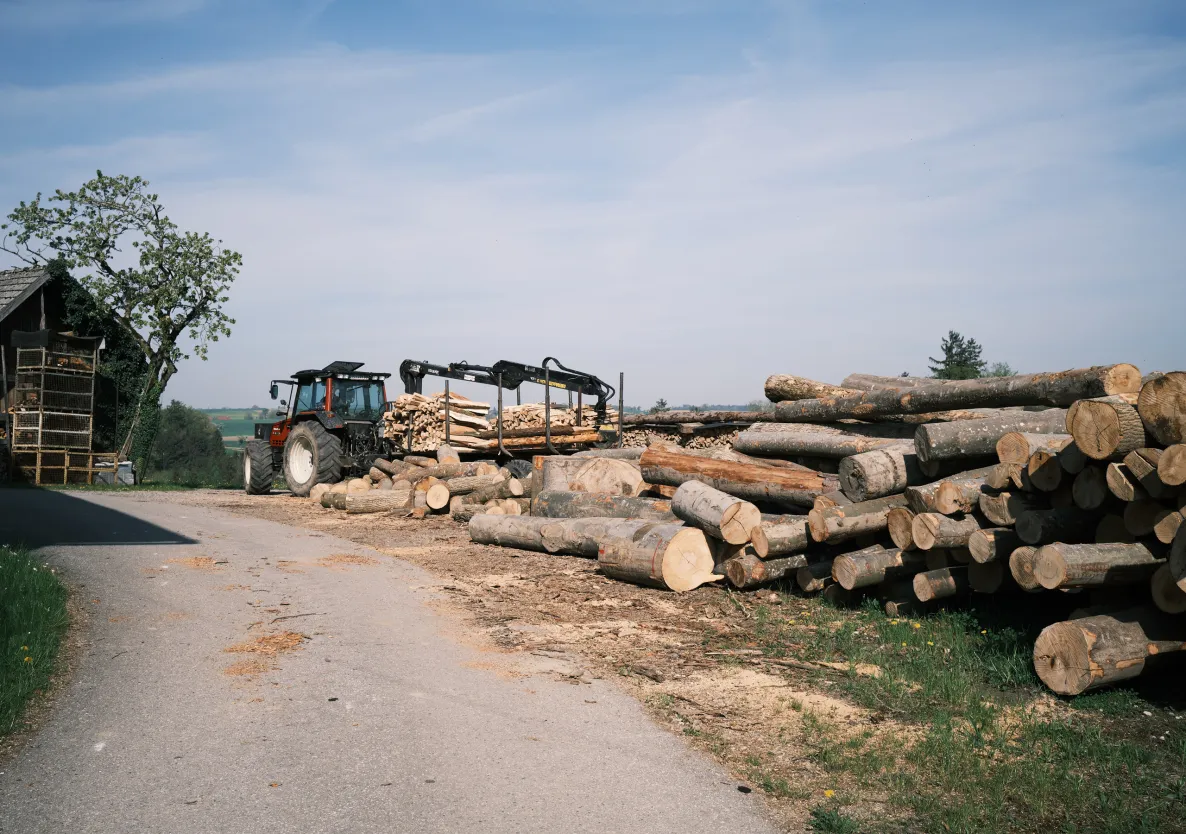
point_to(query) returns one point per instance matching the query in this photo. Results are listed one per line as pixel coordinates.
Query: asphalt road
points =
(390, 717)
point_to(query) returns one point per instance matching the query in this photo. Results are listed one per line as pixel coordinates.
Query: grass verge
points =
(33, 619)
(960, 736)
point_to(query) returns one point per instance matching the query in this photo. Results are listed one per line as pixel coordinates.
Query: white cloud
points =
(699, 233)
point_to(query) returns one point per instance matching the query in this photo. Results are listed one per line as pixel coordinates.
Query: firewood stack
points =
(426, 416)
(921, 493)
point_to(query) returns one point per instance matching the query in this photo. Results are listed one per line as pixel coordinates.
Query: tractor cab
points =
(330, 428)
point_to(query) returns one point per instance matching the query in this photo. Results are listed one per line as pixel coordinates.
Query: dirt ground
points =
(684, 656)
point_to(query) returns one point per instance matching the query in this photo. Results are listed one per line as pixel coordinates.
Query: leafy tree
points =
(961, 358)
(175, 285)
(660, 406)
(1000, 369)
(188, 450)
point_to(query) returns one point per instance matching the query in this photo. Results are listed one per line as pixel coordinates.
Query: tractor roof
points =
(347, 370)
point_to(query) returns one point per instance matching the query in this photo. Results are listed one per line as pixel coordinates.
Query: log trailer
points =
(510, 376)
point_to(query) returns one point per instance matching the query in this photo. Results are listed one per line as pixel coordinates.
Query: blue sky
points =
(696, 192)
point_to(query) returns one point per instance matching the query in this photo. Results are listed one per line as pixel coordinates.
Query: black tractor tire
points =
(311, 456)
(259, 470)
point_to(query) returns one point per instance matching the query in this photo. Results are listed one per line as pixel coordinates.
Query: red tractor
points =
(331, 428)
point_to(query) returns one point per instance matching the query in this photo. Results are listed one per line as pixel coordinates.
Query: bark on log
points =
(993, 544)
(875, 565)
(1167, 596)
(467, 484)
(881, 472)
(1171, 466)
(1008, 476)
(356, 503)
(940, 584)
(936, 470)
(1090, 489)
(660, 555)
(822, 444)
(607, 475)
(969, 438)
(814, 577)
(317, 491)
(838, 524)
(1162, 406)
(462, 512)
(1177, 560)
(921, 499)
(748, 481)
(781, 387)
(1044, 471)
(1140, 517)
(447, 454)
(1019, 446)
(1123, 484)
(393, 468)
(748, 571)
(673, 418)
(959, 495)
(1053, 389)
(1088, 565)
(871, 382)
(1021, 567)
(420, 460)
(1071, 459)
(1079, 655)
(831, 499)
(1066, 525)
(717, 513)
(1003, 508)
(520, 531)
(625, 453)
(502, 488)
(931, 530)
(1106, 428)
(899, 521)
(582, 536)
(986, 577)
(1143, 465)
(563, 504)
(442, 471)
(786, 535)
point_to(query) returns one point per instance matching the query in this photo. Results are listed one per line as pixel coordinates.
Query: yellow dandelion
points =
(28, 660)
(916, 625)
(829, 793)
(903, 644)
(24, 648)
(929, 643)
(984, 631)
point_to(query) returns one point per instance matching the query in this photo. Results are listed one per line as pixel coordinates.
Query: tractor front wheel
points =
(258, 470)
(311, 456)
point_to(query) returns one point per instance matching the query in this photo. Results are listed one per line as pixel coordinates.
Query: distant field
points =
(236, 423)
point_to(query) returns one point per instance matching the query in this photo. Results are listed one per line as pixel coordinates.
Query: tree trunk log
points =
(1090, 489)
(1019, 446)
(1106, 428)
(1140, 517)
(562, 504)
(1071, 524)
(583, 536)
(1075, 656)
(931, 530)
(502, 488)
(674, 418)
(660, 555)
(1110, 530)
(1008, 476)
(875, 565)
(792, 441)
(831, 499)
(748, 481)
(1167, 596)
(899, 521)
(959, 495)
(447, 454)
(464, 485)
(993, 544)
(748, 571)
(870, 475)
(787, 534)
(1123, 484)
(969, 438)
(462, 512)
(871, 382)
(1088, 565)
(1171, 466)
(1003, 508)
(625, 453)
(1044, 470)
(1162, 406)
(717, 513)
(1143, 464)
(520, 531)
(1052, 389)
(838, 524)
(1021, 566)
(1166, 528)
(986, 577)
(356, 503)
(437, 497)
(921, 499)
(940, 584)
(781, 387)
(1071, 459)
(814, 577)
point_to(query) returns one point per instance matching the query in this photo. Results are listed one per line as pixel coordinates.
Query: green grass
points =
(33, 619)
(966, 754)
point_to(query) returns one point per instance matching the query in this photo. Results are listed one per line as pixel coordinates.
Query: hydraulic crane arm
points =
(511, 375)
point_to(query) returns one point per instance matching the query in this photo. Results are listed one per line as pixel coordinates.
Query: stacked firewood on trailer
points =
(917, 493)
(472, 427)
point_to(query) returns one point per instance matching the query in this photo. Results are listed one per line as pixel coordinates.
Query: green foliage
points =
(831, 821)
(33, 619)
(1000, 369)
(174, 285)
(660, 406)
(961, 358)
(188, 450)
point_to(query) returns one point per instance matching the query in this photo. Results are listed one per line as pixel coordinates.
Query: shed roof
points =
(18, 284)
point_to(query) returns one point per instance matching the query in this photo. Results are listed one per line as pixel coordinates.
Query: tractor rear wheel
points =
(311, 456)
(258, 469)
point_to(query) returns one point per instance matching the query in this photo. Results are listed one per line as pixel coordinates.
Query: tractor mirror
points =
(284, 402)
(275, 390)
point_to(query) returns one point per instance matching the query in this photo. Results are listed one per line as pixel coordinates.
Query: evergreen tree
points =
(961, 358)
